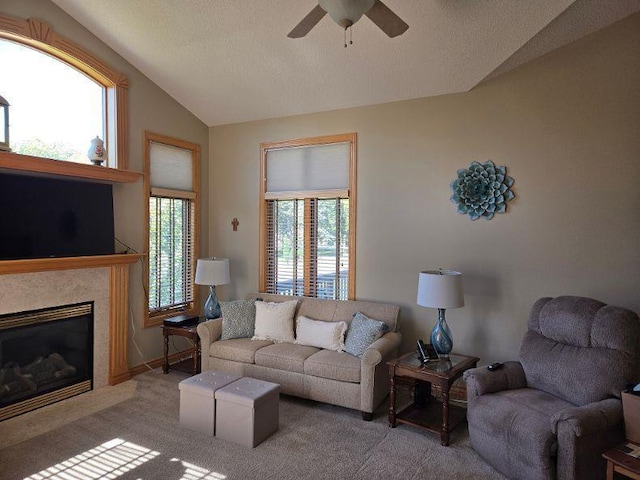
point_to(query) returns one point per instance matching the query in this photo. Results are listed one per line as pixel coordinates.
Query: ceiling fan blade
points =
(307, 23)
(389, 22)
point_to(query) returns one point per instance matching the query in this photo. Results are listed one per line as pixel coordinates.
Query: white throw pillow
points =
(316, 333)
(274, 321)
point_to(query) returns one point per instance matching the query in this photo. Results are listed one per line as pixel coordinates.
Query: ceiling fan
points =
(347, 12)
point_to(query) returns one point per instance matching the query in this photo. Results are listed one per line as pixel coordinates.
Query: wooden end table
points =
(425, 412)
(619, 460)
(189, 332)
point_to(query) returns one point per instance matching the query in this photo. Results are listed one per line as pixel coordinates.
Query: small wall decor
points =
(482, 190)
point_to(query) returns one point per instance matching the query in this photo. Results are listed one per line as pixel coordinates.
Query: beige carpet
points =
(136, 435)
(21, 428)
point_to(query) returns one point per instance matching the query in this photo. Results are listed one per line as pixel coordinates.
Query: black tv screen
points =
(44, 217)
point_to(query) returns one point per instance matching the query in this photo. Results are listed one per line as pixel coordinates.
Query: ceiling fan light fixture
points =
(346, 12)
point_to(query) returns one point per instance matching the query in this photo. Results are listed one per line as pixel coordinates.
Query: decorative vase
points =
(441, 336)
(97, 153)
(211, 306)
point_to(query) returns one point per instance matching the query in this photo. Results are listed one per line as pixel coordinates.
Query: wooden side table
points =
(425, 412)
(189, 332)
(620, 461)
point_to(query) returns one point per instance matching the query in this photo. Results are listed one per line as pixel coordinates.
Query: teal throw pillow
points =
(362, 332)
(238, 319)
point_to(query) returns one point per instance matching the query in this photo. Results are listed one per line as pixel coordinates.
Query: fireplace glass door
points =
(45, 356)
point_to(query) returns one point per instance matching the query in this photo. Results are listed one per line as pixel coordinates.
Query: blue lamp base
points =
(441, 336)
(211, 305)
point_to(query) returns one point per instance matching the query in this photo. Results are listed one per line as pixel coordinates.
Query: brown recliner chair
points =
(553, 413)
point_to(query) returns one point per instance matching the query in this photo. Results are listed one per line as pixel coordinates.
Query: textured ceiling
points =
(230, 61)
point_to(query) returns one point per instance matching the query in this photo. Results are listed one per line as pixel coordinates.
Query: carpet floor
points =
(139, 437)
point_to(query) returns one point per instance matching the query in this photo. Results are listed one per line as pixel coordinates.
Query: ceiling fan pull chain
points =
(345, 36)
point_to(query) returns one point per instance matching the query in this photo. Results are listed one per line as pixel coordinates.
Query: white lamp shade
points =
(440, 289)
(212, 271)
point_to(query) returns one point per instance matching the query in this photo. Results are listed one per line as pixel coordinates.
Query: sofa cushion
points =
(238, 319)
(274, 321)
(238, 349)
(362, 332)
(284, 356)
(336, 310)
(317, 333)
(333, 365)
(525, 448)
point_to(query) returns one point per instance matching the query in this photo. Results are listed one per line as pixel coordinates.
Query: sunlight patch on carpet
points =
(194, 472)
(109, 461)
(113, 459)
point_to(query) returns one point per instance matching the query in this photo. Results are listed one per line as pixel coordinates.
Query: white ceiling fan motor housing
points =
(346, 12)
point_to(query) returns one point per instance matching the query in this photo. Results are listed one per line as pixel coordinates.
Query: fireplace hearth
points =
(46, 356)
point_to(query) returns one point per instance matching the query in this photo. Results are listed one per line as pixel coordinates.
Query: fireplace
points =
(46, 355)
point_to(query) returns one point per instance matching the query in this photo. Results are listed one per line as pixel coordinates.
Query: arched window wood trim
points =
(39, 35)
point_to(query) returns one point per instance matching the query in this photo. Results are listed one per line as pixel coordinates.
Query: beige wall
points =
(567, 126)
(150, 108)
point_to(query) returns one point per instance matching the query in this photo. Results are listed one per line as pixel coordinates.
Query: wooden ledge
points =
(26, 164)
(66, 263)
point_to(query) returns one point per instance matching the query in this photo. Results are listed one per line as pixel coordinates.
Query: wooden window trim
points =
(351, 138)
(153, 320)
(40, 36)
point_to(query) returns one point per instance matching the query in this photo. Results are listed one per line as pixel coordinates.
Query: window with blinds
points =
(170, 254)
(308, 217)
(171, 168)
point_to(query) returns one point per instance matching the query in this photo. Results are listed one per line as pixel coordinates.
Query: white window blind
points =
(171, 167)
(308, 247)
(170, 254)
(309, 168)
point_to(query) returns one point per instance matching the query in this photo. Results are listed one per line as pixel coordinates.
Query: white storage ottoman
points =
(197, 401)
(247, 411)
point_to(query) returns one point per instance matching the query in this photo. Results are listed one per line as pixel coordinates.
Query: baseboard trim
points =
(157, 363)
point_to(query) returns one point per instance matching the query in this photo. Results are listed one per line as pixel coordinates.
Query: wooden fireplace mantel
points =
(118, 297)
(12, 162)
(32, 265)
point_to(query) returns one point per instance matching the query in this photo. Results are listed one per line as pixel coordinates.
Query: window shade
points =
(313, 168)
(170, 167)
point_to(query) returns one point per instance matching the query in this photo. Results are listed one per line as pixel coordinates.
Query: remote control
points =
(494, 366)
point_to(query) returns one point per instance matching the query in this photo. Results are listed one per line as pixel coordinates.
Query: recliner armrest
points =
(382, 348)
(481, 381)
(209, 332)
(588, 419)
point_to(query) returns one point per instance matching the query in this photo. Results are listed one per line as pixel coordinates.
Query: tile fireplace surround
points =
(30, 291)
(103, 281)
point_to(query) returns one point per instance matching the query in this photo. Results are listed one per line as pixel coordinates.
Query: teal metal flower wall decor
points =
(482, 190)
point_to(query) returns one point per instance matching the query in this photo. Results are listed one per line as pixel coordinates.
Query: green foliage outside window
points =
(169, 259)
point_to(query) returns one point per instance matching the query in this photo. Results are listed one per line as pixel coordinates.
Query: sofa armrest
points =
(383, 348)
(481, 381)
(374, 373)
(209, 332)
(588, 419)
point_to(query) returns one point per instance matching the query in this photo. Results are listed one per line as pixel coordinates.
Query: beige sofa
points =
(327, 376)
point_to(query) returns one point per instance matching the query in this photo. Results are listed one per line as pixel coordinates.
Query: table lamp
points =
(440, 289)
(212, 271)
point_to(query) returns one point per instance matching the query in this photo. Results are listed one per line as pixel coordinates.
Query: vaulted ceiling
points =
(230, 61)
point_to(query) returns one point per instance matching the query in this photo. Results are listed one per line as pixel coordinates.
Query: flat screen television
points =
(45, 217)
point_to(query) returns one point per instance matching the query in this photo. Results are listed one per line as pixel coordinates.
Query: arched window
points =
(74, 85)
